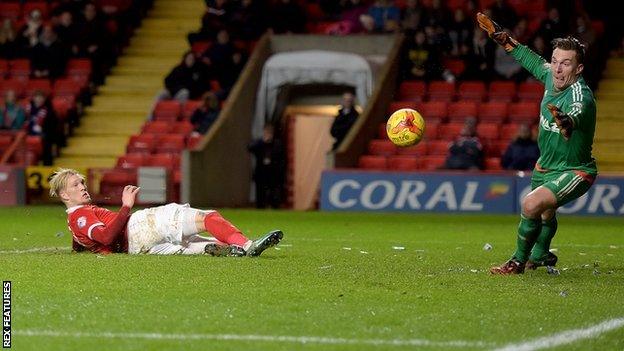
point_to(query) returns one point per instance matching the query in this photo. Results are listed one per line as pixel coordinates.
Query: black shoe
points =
(550, 260)
(271, 239)
(214, 249)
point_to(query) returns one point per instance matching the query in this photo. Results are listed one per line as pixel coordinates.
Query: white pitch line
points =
(264, 338)
(35, 249)
(565, 337)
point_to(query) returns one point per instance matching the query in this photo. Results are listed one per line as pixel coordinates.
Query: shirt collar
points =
(72, 209)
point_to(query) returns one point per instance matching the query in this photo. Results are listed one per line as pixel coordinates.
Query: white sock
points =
(247, 245)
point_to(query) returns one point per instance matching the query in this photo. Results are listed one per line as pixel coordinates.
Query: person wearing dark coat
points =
(347, 115)
(270, 170)
(206, 114)
(185, 81)
(522, 153)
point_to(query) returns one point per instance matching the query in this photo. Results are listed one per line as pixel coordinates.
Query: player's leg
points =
(540, 254)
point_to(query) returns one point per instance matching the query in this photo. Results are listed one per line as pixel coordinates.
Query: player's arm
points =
(106, 234)
(531, 61)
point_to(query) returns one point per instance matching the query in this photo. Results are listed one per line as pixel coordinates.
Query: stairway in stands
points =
(609, 138)
(122, 105)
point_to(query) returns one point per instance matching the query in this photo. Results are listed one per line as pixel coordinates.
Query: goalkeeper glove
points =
(563, 121)
(496, 32)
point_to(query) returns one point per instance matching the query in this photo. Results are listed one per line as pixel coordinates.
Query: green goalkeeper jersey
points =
(577, 101)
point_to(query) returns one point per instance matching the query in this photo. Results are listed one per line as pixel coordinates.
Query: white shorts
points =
(153, 226)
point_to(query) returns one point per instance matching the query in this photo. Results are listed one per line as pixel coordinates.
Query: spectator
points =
(460, 31)
(249, 20)
(287, 16)
(232, 69)
(466, 152)
(42, 122)
(12, 114)
(584, 31)
(540, 47)
(185, 81)
(269, 172)
(521, 31)
(29, 33)
(438, 15)
(413, 16)
(506, 67)
(92, 41)
(522, 153)
(67, 32)
(346, 117)
(218, 56)
(422, 59)
(552, 27)
(48, 57)
(8, 45)
(503, 14)
(206, 114)
(353, 10)
(385, 15)
(479, 57)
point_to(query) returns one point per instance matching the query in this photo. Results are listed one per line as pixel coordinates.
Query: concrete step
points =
(112, 126)
(98, 146)
(85, 162)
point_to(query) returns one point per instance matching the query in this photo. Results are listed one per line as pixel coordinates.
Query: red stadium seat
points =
(4, 69)
(471, 91)
(67, 87)
(495, 111)
(433, 111)
(438, 147)
(189, 108)
(372, 162)
(397, 105)
(412, 90)
(10, 10)
(42, 6)
(43, 85)
(441, 91)
(61, 107)
(167, 110)
(493, 164)
(157, 127)
(167, 160)
(530, 91)
(193, 141)
(170, 143)
(142, 143)
(431, 130)
(496, 148)
(199, 47)
(502, 90)
(5, 141)
(459, 111)
(419, 149)
(509, 131)
(381, 131)
(114, 181)
(456, 66)
(433, 162)
(130, 161)
(17, 85)
(182, 127)
(450, 131)
(403, 163)
(524, 112)
(488, 131)
(79, 67)
(381, 147)
(20, 68)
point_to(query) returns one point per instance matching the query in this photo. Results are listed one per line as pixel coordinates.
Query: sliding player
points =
(566, 168)
(170, 229)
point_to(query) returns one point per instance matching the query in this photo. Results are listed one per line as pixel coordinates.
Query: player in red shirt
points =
(169, 229)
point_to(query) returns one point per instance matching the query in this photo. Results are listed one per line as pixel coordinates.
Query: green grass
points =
(336, 275)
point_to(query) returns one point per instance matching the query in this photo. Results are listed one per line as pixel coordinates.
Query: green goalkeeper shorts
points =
(566, 186)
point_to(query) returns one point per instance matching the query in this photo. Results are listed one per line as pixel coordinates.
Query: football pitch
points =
(338, 281)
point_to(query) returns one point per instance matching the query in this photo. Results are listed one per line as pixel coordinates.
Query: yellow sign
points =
(38, 177)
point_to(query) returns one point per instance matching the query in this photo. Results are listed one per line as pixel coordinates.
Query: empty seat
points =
(433, 111)
(199, 47)
(4, 69)
(496, 148)
(170, 143)
(530, 91)
(129, 161)
(419, 149)
(157, 127)
(193, 141)
(471, 91)
(397, 105)
(78, 67)
(17, 85)
(166, 160)
(167, 110)
(34, 85)
(441, 91)
(438, 147)
(509, 131)
(182, 127)
(433, 162)
(381, 147)
(459, 111)
(372, 162)
(67, 86)
(412, 90)
(189, 108)
(488, 131)
(20, 68)
(143, 143)
(381, 131)
(524, 112)
(114, 181)
(10, 10)
(403, 163)
(42, 6)
(494, 111)
(431, 130)
(455, 66)
(450, 131)
(61, 107)
(502, 90)
(493, 164)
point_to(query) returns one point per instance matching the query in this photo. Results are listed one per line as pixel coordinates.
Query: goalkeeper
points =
(566, 168)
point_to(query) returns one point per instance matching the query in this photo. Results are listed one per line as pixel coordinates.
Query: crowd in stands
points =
(53, 55)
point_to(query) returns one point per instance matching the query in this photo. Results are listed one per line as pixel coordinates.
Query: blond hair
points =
(58, 181)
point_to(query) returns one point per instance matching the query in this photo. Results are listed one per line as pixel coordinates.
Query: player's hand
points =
(563, 121)
(128, 195)
(496, 32)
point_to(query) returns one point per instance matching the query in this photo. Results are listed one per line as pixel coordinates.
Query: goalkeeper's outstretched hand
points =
(496, 32)
(563, 121)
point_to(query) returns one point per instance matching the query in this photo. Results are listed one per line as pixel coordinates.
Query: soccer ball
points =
(405, 127)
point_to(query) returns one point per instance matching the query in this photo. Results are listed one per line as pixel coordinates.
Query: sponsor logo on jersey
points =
(82, 221)
(549, 126)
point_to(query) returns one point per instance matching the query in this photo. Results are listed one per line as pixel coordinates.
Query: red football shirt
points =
(84, 220)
